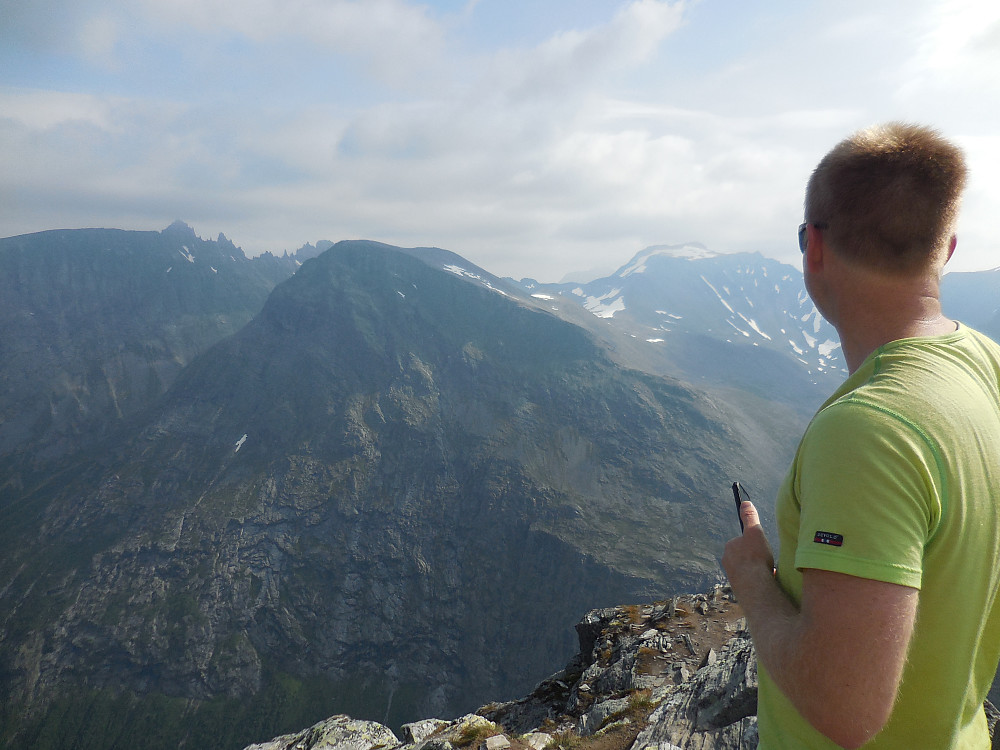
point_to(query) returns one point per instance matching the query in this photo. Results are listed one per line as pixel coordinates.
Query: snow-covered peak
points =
(689, 251)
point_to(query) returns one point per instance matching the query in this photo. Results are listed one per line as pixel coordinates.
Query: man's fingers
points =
(748, 512)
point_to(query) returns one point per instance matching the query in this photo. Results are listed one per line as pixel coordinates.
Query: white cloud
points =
(354, 23)
(44, 110)
(961, 37)
(98, 38)
(572, 60)
(395, 39)
(665, 122)
(946, 72)
(977, 247)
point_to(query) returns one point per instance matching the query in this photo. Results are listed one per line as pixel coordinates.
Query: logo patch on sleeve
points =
(826, 537)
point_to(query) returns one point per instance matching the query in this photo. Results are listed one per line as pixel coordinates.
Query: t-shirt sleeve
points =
(869, 493)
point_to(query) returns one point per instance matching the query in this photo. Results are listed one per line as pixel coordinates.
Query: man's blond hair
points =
(887, 198)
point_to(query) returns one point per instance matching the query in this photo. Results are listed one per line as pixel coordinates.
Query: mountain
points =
(734, 321)
(96, 324)
(974, 298)
(238, 497)
(388, 494)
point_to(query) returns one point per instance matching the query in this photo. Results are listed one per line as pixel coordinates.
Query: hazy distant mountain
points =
(308, 251)
(974, 298)
(696, 314)
(738, 320)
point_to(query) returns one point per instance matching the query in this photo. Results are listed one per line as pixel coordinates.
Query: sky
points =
(533, 137)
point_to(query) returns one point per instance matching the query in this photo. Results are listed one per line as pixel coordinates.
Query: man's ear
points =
(815, 249)
(952, 244)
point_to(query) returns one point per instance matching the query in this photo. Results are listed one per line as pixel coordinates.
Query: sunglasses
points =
(804, 237)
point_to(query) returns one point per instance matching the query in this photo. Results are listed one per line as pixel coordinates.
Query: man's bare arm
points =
(839, 658)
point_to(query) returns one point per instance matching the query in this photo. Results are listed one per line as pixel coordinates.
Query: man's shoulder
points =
(981, 339)
(863, 420)
(933, 392)
(910, 370)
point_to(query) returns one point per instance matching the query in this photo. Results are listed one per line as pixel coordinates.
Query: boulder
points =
(599, 714)
(418, 731)
(340, 732)
(537, 740)
(714, 710)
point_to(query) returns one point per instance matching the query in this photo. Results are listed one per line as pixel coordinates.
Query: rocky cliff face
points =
(393, 490)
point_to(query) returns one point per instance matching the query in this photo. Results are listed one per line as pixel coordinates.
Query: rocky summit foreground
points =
(675, 674)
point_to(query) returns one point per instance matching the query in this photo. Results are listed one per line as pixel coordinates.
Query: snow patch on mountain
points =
(817, 319)
(459, 271)
(753, 324)
(691, 251)
(721, 298)
(827, 347)
(738, 329)
(602, 308)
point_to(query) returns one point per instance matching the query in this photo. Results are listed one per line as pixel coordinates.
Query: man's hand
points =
(839, 657)
(749, 555)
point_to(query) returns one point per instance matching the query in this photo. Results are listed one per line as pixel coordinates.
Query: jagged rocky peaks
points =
(394, 489)
(95, 324)
(311, 251)
(180, 228)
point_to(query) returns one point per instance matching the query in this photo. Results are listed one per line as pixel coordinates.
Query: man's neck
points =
(883, 310)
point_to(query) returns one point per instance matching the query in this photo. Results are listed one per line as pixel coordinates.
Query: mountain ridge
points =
(392, 465)
(391, 490)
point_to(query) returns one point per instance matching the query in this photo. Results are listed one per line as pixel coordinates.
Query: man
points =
(881, 624)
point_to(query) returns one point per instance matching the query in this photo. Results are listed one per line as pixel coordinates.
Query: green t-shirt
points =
(897, 479)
